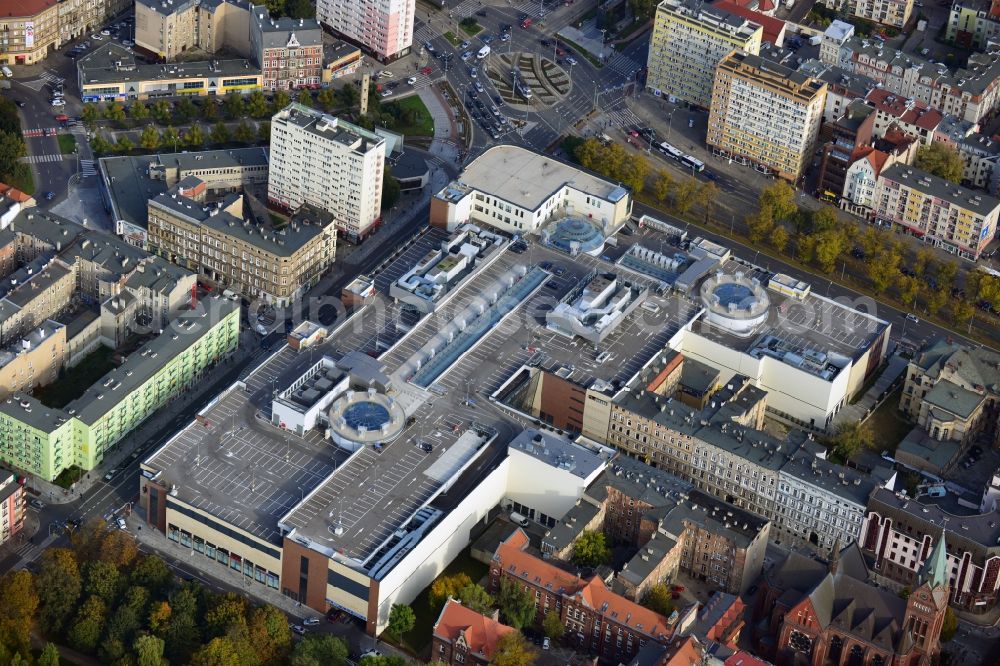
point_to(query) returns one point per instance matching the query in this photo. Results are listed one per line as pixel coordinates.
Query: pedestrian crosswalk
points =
(39, 131)
(87, 168)
(622, 64)
(50, 77)
(423, 34)
(38, 159)
(623, 117)
(470, 7)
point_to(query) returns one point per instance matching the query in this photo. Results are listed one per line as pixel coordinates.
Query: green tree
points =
(90, 114)
(401, 620)
(961, 311)
(149, 651)
(89, 625)
(159, 617)
(882, 267)
(517, 607)
(663, 183)
(591, 549)
(50, 656)
(280, 100)
(390, 189)
(941, 160)
(348, 94)
(115, 112)
(474, 596)
(59, 584)
(779, 199)
(268, 633)
(552, 625)
(186, 109)
(706, 198)
(326, 98)
(907, 287)
(921, 260)
(659, 600)
(163, 112)
(100, 145)
(513, 650)
(304, 97)
(946, 273)
(257, 105)
(138, 110)
(152, 573)
(244, 133)
(643, 9)
(170, 139)
(588, 153)
(850, 438)
(382, 660)
(220, 133)
(300, 9)
(446, 586)
(235, 108)
(210, 110)
(830, 245)
(219, 651)
(936, 299)
(183, 631)
(779, 237)
(633, 173)
(685, 194)
(17, 610)
(227, 611)
(760, 224)
(320, 650)
(264, 131)
(150, 138)
(101, 580)
(124, 144)
(194, 136)
(949, 626)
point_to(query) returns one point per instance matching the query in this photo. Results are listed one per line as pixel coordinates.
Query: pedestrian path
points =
(87, 168)
(38, 159)
(623, 117)
(38, 131)
(470, 7)
(622, 64)
(51, 77)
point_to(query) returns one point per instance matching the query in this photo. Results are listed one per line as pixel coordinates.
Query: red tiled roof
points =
(913, 113)
(13, 193)
(523, 565)
(621, 610)
(481, 633)
(772, 27)
(686, 651)
(746, 659)
(24, 8)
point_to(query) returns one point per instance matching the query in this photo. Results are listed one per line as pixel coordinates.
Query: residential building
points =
(774, 28)
(679, 651)
(861, 180)
(44, 441)
(721, 620)
(288, 51)
(842, 87)
(166, 29)
(893, 13)
(908, 115)
(463, 637)
(973, 24)
(596, 619)
(340, 59)
(689, 40)
(37, 292)
(814, 613)
(900, 534)
(939, 212)
(34, 360)
(980, 154)
(12, 506)
(519, 191)
(111, 73)
(842, 139)
(128, 183)
(831, 49)
(29, 32)
(953, 391)
(12, 202)
(328, 163)
(251, 258)
(383, 29)
(765, 113)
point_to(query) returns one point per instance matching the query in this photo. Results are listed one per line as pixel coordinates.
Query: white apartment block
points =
(689, 39)
(329, 163)
(894, 13)
(765, 112)
(383, 28)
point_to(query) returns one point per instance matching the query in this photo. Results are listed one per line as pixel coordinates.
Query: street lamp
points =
(670, 122)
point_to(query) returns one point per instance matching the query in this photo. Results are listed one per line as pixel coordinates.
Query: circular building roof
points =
(365, 417)
(734, 302)
(574, 234)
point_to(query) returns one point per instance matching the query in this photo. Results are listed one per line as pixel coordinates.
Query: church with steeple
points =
(815, 614)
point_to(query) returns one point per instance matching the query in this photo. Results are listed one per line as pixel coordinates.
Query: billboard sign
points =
(29, 35)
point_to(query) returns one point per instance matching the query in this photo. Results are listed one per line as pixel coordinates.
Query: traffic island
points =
(545, 81)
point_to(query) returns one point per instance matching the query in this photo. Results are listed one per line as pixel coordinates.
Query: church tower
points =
(926, 605)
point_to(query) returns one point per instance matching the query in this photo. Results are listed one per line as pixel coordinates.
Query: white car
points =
(466, 55)
(96, 37)
(106, 33)
(110, 475)
(571, 60)
(58, 102)
(912, 318)
(412, 80)
(386, 93)
(310, 622)
(479, 87)
(121, 524)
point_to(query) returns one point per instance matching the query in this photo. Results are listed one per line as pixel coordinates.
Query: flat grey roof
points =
(528, 179)
(922, 181)
(557, 451)
(53, 230)
(329, 127)
(29, 410)
(26, 292)
(837, 480)
(112, 63)
(716, 516)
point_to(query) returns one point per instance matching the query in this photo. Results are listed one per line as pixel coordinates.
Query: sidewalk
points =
(446, 143)
(873, 397)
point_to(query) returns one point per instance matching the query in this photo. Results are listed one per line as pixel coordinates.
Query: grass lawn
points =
(450, 36)
(888, 424)
(471, 29)
(424, 125)
(67, 143)
(419, 638)
(73, 382)
(23, 179)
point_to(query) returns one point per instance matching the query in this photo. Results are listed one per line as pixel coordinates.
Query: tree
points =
(280, 100)
(89, 625)
(115, 112)
(90, 114)
(326, 98)
(401, 620)
(708, 194)
(591, 549)
(659, 600)
(217, 652)
(779, 199)
(268, 633)
(643, 9)
(349, 94)
(186, 109)
(517, 607)
(304, 97)
(101, 580)
(474, 596)
(138, 110)
(17, 611)
(882, 267)
(234, 106)
(220, 133)
(100, 145)
(946, 274)
(663, 183)
(264, 131)
(319, 650)
(588, 153)
(936, 299)
(446, 586)
(633, 172)
(170, 138)
(159, 617)
(949, 626)
(830, 244)
(257, 106)
(907, 287)
(941, 160)
(961, 311)
(50, 656)
(300, 9)
(921, 260)
(244, 132)
(685, 194)
(150, 138)
(124, 144)
(382, 660)
(779, 237)
(163, 112)
(194, 136)
(390, 189)
(183, 632)
(209, 110)
(149, 651)
(513, 650)
(760, 225)
(152, 573)
(850, 438)
(552, 625)
(227, 610)
(59, 584)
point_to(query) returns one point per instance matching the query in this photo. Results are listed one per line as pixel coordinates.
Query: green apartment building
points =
(44, 441)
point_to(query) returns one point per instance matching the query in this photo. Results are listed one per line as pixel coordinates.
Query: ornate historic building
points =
(815, 614)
